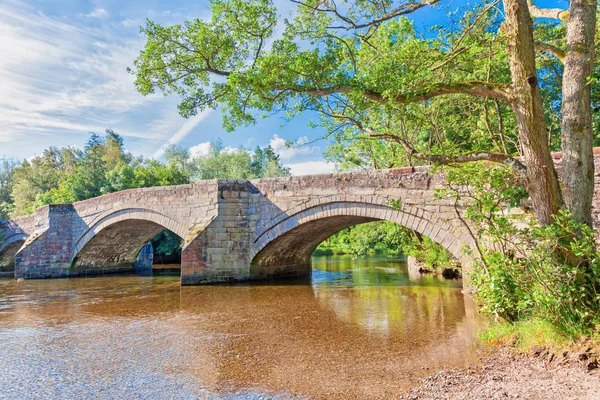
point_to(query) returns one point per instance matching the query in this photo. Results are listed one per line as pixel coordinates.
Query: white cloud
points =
(200, 150)
(203, 149)
(299, 148)
(131, 23)
(97, 13)
(63, 78)
(311, 167)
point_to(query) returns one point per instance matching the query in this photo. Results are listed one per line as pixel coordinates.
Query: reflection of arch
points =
(114, 242)
(288, 244)
(8, 250)
(398, 308)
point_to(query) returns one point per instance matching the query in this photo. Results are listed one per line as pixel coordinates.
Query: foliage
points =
(6, 185)
(266, 164)
(389, 238)
(167, 243)
(350, 75)
(533, 281)
(523, 273)
(360, 240)
(67, 175)
(71, 175)
(227, 163)
(362, 67)
(434, 256)
(40, 175)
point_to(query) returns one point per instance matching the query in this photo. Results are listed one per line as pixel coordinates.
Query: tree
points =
(179, 157)
(577, 122)
(228, 163)
(363, 68)
(7, 168)
(42, 174)
(90, 177)
(266, 164)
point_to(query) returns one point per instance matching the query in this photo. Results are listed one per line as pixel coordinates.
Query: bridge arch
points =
(8, 249)
(113, 242)
(285, 247)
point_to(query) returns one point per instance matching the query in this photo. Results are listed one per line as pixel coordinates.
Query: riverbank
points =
(505, 374)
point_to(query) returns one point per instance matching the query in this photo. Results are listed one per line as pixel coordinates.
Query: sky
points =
(63, 75)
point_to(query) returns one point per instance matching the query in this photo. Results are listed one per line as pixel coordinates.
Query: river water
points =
(357, 329)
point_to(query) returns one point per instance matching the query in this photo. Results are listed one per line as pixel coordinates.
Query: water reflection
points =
(359, 329)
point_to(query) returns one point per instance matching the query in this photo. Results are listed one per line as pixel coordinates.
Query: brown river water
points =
(357, 329)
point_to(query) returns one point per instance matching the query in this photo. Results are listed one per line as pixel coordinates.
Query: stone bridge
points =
(232, 230)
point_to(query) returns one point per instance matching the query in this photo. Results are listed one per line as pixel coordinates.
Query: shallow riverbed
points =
(357, 329)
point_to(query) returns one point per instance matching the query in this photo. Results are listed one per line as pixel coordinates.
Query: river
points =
(357, 329)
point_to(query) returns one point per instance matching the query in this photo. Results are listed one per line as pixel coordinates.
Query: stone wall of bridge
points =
(232, 230)
(105, 234)
(296, 214)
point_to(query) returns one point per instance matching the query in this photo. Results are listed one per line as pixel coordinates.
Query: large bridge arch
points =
(114, 241)
(285, 247)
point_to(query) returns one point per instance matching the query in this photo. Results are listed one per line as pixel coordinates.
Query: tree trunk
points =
(542, 181)
(577, 134)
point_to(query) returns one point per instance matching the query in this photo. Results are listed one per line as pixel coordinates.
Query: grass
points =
(538, 338)
(527, 336)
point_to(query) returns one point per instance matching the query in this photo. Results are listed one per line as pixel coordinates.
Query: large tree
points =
(362, 66)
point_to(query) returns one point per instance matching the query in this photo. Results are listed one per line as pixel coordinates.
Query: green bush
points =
(532, 279)
(527, 272)
(433, 256)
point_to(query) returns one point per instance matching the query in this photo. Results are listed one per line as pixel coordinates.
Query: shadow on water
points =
(356, 329)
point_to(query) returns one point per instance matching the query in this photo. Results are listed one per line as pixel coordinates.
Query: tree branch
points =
(499, 158)
(450, 59)
(550, 49)
(552, 13)
(352, 24)
(475, 88)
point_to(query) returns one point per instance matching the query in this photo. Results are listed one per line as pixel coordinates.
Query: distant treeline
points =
(386, 238)
(69, 174)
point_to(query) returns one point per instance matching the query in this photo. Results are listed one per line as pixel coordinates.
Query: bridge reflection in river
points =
(359, 329)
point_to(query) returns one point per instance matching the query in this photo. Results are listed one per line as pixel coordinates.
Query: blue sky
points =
(63, 75)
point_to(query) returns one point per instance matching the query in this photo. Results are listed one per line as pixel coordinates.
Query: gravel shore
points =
(506, 375)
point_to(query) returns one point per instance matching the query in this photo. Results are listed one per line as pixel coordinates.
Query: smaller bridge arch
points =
(114, 241)
(285, 247)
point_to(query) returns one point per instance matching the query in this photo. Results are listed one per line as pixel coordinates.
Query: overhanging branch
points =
(351, 24)
(492, 90)
(474, 88)
(494, 157)
(517, 166)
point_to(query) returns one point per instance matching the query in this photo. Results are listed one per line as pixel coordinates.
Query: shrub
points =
(526, 271)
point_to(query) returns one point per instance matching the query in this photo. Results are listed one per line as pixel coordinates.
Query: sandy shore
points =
(505, 375)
